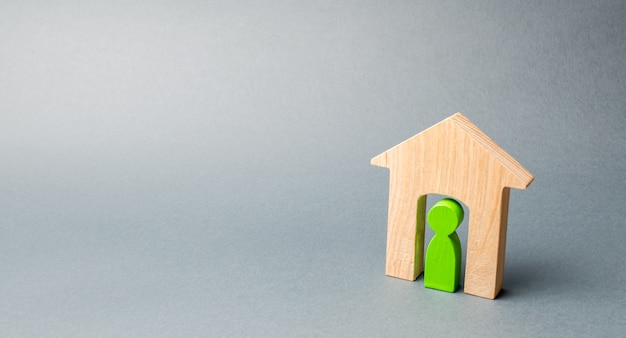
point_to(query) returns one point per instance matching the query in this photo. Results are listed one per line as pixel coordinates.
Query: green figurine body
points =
(442, 270)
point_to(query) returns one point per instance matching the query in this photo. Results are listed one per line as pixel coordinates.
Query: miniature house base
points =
(456, 159)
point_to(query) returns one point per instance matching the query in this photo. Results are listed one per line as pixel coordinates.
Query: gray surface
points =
(191, 168)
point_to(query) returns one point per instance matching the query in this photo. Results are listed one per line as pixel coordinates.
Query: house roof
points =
(460, 124)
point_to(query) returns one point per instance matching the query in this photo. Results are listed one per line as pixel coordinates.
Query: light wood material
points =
(456, 159)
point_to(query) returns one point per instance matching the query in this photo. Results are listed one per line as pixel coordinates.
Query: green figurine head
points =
(445, 216)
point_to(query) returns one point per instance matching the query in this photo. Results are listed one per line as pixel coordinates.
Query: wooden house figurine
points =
(456, 159)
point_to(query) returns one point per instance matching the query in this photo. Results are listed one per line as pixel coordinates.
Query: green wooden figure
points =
(442, 270)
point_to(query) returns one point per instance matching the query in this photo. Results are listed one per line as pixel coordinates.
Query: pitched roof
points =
(461, 123)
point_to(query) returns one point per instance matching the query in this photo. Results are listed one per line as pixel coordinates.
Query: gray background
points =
(201, 168)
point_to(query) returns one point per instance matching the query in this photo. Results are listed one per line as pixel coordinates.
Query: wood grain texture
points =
(456, 159)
